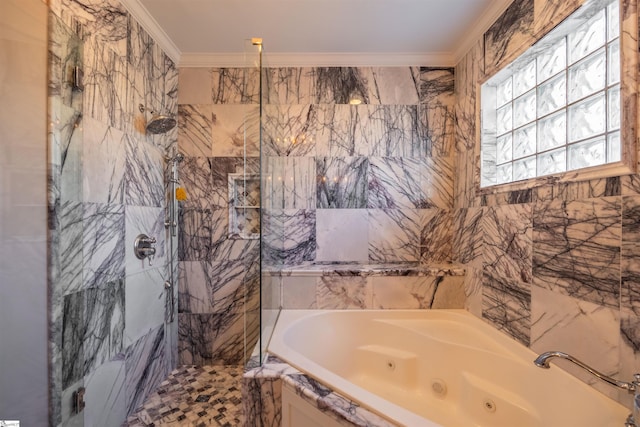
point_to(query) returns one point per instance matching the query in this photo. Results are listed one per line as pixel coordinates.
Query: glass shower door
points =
(244, 193)
(262, 288)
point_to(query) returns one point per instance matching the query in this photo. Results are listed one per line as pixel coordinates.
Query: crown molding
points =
(356, 59)
(151, 26)
(491, 15)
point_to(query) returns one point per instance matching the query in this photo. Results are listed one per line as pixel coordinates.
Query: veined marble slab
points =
(351, 269)
(262, 396)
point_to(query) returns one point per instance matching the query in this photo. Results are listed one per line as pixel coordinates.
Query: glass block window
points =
(557, 107)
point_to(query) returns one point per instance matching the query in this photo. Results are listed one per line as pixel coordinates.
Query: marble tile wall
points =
(554, 264)
(383, 292)
(368, 183)
(219, 295)
(358, 183)
(107, 185)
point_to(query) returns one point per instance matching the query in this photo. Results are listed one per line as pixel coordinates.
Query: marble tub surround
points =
(555, 263)
(373, 286)
(262, 396)
(365, 270)
(357, 235)
(106, 186)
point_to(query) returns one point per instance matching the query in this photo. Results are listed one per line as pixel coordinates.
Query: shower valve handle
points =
(144, 247)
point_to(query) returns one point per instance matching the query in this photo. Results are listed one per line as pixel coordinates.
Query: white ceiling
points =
(317, 32)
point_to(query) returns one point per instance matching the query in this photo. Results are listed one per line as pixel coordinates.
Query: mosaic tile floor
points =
(198, 396)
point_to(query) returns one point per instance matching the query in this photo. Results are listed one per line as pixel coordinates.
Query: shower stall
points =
(223, 298)
(119, 257)
(113, 229)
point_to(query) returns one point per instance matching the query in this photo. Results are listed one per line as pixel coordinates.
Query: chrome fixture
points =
(179, 157)
(171, 221)
(159, 123)
(171, 217)
(144, 247)
(544, 359)
(168, 287)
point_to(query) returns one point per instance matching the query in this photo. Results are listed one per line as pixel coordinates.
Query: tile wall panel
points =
(555, 264)
(107, 185)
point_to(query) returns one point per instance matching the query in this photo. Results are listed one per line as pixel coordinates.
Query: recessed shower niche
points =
(244, 206)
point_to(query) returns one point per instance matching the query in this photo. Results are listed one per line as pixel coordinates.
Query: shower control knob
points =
(144, 246)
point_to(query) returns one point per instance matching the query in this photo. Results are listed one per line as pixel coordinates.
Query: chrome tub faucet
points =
(633, 387)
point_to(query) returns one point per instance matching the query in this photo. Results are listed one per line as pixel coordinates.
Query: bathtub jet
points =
(443, 367)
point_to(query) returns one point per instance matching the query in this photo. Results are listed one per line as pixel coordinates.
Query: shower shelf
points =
(244, 199)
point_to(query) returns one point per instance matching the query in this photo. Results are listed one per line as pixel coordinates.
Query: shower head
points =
(178, 157)
(160, 124)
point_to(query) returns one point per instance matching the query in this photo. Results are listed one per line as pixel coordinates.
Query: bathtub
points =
(423, 368)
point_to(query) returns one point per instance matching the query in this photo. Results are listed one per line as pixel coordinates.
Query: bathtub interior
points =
(445, 366)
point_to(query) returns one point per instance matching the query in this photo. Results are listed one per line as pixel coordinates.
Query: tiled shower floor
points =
(196, 396)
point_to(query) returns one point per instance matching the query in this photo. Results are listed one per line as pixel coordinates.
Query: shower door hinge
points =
(78, 400)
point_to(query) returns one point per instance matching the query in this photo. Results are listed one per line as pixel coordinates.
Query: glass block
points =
(613, 105)
(587, 38)
(587, 153)
(552, 162)
(552, 61)
(614, 150)
(488, 175)
(505, 148)
(524, 168)
(504, 173)
(613, 74)
(587, 118)
(524, 141)
(504, 92)
(613, 21)
(552, 131)
(524, 79)
(524, 109)
(504, 119)
(488, 154)
(552, 95)
(588, 76)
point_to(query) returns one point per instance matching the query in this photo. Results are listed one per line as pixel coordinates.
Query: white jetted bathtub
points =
(423, 368)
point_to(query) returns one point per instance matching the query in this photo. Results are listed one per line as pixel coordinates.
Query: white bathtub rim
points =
(366, 399)
(372, 402)
(340, 385)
